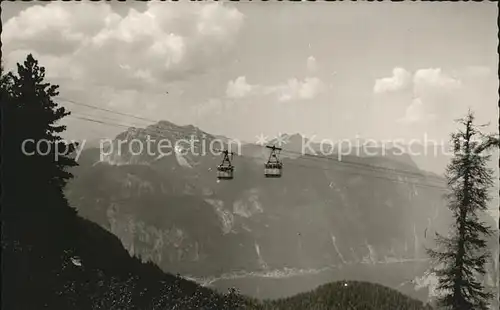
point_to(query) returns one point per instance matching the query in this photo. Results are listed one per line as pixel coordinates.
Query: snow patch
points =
(249, 207)
(225, 216)
(337, 249)
(181, 160)
(261, 260)
(372, 256)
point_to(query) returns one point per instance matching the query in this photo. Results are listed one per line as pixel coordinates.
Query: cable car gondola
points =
(225, 170)
(273, 168)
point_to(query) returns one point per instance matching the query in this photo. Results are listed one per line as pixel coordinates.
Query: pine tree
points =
(463, 254)
(35, 214)
(31, 117)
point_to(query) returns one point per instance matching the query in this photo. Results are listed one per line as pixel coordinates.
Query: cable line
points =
(293, 163)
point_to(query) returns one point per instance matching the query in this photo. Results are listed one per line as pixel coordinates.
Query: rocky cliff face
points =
(171, 209)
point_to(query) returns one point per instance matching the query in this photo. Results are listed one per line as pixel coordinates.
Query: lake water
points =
(265, 287)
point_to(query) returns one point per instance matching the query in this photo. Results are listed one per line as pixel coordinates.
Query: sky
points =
(327, 70)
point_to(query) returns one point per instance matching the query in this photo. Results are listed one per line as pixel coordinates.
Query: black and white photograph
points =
(262, 155)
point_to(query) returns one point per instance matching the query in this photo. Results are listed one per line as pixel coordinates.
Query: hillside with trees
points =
(348, 295)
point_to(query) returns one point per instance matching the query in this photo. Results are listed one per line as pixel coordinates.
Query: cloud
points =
(399, 80)
(422, 80)
(434, 78)
(311, 64)
(238, 88)
(430, 86)
(416, 112)
(294, 89)
(89, 41)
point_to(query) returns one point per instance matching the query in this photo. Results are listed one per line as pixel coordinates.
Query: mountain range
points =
(321, 215)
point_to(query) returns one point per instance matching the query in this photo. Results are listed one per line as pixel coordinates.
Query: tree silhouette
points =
(463, 254)
(35, 214)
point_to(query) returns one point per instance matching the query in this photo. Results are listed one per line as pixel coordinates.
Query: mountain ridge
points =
(172, 210)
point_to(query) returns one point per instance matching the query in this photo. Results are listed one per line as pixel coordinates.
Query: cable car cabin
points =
(273, 168)
(225, 172)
